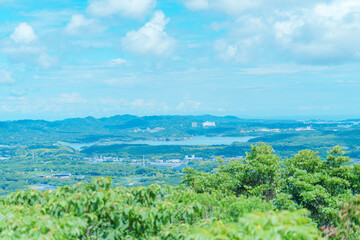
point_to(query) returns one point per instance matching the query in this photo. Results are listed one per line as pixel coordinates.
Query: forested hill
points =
(287, 136)
(125, 127)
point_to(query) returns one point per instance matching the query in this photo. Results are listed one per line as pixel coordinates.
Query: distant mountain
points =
(126, 127)
(120, 127)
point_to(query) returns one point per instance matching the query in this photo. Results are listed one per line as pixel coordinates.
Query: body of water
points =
(199, 140)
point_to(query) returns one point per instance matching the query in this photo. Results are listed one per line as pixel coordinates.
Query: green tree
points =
(347, 222)
(258, 175)
(320, 186)
(260, 226)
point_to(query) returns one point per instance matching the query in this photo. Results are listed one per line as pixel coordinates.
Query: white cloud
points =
(151, 38)
(311, 33)
(188, 105)
(24, 105)
(71, 98)
(30, 54)
(22, 48)
(232, 7)
(153, 105)
(286, 29)
(238, 51)
(6, 78)
(127, 8)
(327, 33)
(130, 81)
(79, 24)
(23, 33)
(117, 61)
(242, 44)
(338, 9)
(47, 61)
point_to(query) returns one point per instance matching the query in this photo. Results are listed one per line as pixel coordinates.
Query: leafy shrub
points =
(257, 175)
(347, 222)
(97, 210)
(262, 226)
(303, 181)
(20, 222)
(257, 198)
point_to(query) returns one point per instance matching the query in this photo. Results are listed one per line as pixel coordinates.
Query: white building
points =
(187, 157)
(209, 124)
(174, 161)
(194, 125)
(308, 128)
(269, 130)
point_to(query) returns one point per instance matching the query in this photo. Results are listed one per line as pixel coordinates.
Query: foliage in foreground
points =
(98, 211)
(347, 222)
(260, 198)
(303, 181)
(264, 226)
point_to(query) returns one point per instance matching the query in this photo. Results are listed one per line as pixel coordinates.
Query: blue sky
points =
(249, 58)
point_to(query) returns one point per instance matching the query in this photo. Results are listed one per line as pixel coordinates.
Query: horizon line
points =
(340, 117)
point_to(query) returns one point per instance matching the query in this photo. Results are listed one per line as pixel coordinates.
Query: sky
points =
(248, 58)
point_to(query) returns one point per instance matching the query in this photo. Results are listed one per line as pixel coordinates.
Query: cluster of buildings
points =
(167, 163)
(65, 175)
(204, 124)
(102, 159)
(158, 162)
(193, 158)
(277, 130)
(209, 124)
(154, 130)
(2, 158)
(308, 128)
(268, 130)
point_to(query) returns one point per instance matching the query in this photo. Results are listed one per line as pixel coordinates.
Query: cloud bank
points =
(151, 38)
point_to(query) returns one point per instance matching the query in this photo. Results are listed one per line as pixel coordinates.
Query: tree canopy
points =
(260, 197)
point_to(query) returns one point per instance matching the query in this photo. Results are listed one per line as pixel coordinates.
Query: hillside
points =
(122, 127)
(259, 197)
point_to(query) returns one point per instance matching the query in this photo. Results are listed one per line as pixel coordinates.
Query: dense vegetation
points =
(261, 197)
(303, 181)
(112, 128)
(128, 128)
(167, 152)
(93, 211)
(21, 171)
(25, 166)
